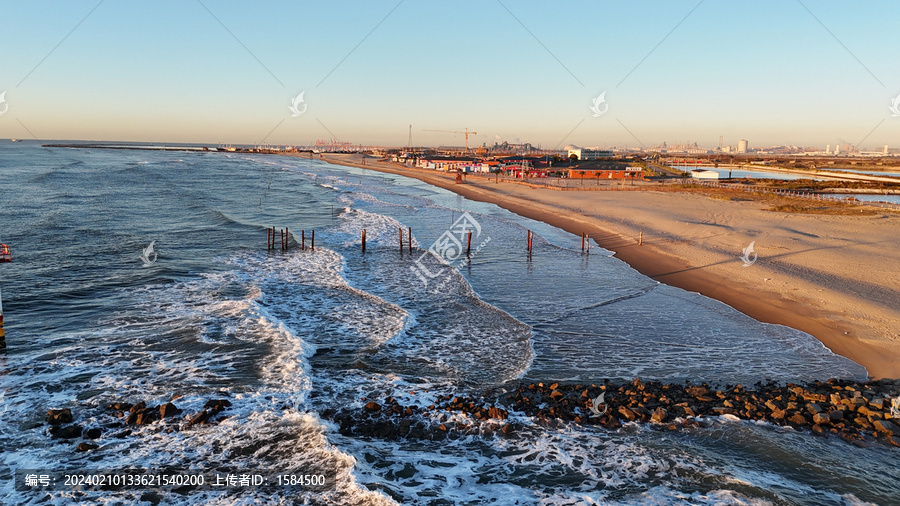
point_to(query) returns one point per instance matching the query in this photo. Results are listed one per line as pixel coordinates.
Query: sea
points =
(94, 317)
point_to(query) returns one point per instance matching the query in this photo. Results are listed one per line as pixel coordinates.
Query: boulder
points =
(798, 419)
(84, 447)
(70, 432)
(886, 427)
(93, 433)
(59, 416)
(217, 404)
(696, 391)
(199, 418)
(821, 418)
(168, 409)
(627, 413)
(373, 406)
(659, 415)
(836, 415)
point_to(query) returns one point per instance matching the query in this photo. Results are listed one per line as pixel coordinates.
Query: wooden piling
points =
(312, 243)
(582, 242)
(364, 240)
(410, 239)
(641, 239)
(302, 239)
(400, 233)
(469, 244)
(587, 240)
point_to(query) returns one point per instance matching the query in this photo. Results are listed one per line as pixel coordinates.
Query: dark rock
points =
(93, 433)
(137, 407)
(373, 406)
(84, 447)
(696, 391)
(798, 419)
(120, 406)
(217, 404)
(200, 418)
(821, 418)
(836, 415)
(70, 432)
(59, 416)
(659, 415)
(168, 409)
(627, 413)
(886, 427)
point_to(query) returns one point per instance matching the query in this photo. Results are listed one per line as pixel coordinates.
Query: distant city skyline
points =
(774, 73)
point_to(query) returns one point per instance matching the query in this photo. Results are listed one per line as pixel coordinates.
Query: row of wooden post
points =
(270, 240)
(271, 233)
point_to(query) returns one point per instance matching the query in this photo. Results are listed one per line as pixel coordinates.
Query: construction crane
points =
(466, 132)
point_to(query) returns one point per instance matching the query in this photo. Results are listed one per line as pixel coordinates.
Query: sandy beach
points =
(832, 276)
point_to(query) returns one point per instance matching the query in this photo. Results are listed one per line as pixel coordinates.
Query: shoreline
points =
(853, 316)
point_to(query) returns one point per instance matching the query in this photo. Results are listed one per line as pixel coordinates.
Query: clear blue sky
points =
(766, 71)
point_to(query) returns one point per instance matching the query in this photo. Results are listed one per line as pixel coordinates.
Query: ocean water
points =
(286, 335)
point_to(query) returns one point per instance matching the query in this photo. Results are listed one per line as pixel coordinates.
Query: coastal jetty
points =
(859, 413)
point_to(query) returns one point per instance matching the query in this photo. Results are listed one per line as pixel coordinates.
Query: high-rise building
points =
(828, 149)
(885, 149)
(742, 146)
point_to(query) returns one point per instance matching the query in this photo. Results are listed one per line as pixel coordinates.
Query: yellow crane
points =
(466, 132)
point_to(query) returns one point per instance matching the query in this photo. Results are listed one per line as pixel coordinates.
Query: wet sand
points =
(834, 277)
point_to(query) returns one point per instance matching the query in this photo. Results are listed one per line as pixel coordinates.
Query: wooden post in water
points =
(303, 239)
(469, 244)
(410, 239)
(400, 232)
(587, 239)
(364, 240)
(641, 239)
(582, 242)
(312, 244)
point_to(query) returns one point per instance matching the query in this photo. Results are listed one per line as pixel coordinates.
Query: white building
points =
(587, 153)
(704, 174)
(742, 146)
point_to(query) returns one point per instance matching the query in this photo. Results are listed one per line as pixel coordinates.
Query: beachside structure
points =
(447, 164)
(704, 174)
(585, 154)
(606, 173)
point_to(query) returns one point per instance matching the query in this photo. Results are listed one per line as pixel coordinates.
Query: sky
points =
(773, 72)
